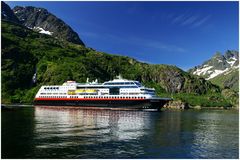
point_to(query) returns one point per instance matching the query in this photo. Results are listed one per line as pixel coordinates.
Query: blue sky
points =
(184, 34)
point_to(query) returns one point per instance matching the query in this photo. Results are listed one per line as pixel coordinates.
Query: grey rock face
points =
(45, 22)
(7, 13)
(177, 104)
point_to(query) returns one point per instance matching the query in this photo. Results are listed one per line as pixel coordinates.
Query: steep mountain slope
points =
(229, 79)
(24, 52)
(7, 13)
(220, 69)
(43, 21)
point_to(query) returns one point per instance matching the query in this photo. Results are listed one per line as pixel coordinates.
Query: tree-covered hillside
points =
(25, 52)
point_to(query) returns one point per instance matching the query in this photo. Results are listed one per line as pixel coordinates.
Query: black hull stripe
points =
(137, 104)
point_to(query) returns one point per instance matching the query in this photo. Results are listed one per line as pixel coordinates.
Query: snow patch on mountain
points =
(232, 61)
(201, 71)
(41, 30)
(216, 73)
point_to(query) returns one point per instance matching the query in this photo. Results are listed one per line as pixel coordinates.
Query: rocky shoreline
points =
(180, 105)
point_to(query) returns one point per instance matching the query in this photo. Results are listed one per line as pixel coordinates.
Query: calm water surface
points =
(74, 133)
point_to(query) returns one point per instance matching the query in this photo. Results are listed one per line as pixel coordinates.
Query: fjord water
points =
(73, 133)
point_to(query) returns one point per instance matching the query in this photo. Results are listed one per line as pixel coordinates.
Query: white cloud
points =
(201, 21)
(190, 19)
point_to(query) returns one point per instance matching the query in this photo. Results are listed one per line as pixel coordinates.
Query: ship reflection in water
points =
(109, 132)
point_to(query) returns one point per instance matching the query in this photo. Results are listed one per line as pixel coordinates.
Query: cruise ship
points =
(116, 94)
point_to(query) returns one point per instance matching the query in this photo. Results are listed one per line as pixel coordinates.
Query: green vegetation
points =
(207, 100)
(229, 80)
(25, 51)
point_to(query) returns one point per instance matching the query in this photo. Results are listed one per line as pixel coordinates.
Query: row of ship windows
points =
(129, 90)
(113, 97)
(52, 96)
(54, 88)
(118, 83)
(51, 87)
(91, 97)
(53, 93)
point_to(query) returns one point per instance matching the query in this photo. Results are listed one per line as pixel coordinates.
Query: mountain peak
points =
(217, 65)
(231, 54)
(41, 20)
(7, 13)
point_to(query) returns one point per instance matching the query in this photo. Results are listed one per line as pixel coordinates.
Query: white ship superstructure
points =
(111, 94)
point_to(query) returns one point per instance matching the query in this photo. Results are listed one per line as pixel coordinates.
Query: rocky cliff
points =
(7, 13)
(39, 19)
